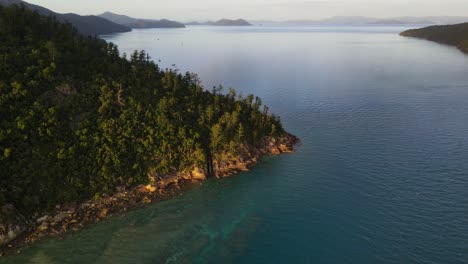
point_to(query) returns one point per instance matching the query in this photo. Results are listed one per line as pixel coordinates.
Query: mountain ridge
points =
(222, 22)
(86, 25)
(364, 21)
(139, 22)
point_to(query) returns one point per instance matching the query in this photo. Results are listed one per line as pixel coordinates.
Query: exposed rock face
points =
(65, 218)
(12, 224)
(249, 156)
(198, 175)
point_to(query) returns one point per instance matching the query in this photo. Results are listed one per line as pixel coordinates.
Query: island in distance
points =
(140, 23)
(366, 21)
(222, 22)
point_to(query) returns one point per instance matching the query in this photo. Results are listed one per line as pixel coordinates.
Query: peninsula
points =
(87, 132)
(454, 35)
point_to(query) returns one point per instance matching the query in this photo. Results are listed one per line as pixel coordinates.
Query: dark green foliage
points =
(78, 120)
(455, 35)
(86, 25)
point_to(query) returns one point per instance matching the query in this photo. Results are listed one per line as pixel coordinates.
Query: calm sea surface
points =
(381, 175)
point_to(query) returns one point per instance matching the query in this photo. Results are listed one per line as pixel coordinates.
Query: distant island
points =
(140, 23)
(86, 25)
(222, 22)
(87, 132)
(454, 35)
(366, 21)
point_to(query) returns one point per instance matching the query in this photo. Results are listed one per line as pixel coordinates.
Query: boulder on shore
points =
(12, 224)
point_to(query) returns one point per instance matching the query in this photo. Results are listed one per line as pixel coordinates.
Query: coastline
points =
(72, 218)
(451, 35)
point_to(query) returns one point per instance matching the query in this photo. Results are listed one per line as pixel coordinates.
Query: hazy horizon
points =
(277, 10)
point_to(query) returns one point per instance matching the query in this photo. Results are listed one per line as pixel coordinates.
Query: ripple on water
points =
(380, 176)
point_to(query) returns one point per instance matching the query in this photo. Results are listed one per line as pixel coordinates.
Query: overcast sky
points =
(185, 10)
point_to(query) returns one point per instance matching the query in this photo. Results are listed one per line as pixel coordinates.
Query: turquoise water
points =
(381, 175)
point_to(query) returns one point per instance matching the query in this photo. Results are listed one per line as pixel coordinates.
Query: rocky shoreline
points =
(16, 231)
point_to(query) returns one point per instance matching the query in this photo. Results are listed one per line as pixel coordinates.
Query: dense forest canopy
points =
(455, 35)
(79, 119)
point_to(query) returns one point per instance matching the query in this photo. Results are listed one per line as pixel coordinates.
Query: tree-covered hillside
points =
(78, 119)
(455, 35)
(86, 25)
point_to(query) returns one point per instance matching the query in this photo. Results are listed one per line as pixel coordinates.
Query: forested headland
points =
(454, 35)
(79, 119)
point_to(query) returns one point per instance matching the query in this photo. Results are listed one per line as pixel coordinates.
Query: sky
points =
(188, 10)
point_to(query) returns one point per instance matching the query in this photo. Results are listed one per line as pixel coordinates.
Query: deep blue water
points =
(381, 175)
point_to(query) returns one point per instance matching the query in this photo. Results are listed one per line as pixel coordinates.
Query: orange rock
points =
(198, 175)
(103, 213)
(143, 189)
(150, 188)
(285, 148)
(275, 151)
